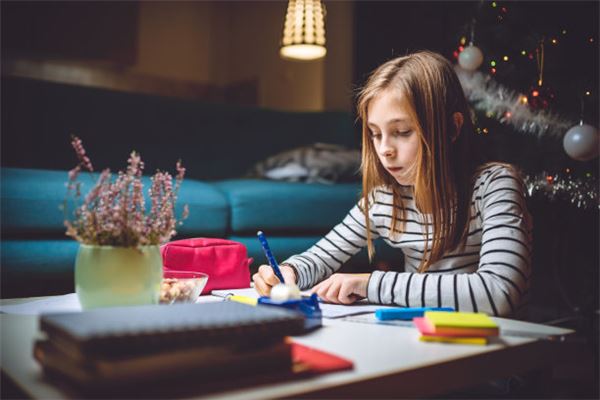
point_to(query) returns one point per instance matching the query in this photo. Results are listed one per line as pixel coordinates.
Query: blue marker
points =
(263, 242)
(406, 313)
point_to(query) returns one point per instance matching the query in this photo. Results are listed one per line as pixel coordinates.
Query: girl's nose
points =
(386, 149)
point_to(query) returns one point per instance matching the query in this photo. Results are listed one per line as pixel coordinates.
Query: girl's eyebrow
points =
(390, 122)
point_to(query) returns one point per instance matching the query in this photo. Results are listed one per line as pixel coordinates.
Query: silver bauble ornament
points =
(581, 142)
(470, 58)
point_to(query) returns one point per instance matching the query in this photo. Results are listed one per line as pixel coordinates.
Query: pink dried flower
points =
(114, 212)
(74, 173)
(180, 171)
(84, 160)
(136, 165)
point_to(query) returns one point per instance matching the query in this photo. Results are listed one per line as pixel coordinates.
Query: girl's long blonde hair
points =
(444, 168)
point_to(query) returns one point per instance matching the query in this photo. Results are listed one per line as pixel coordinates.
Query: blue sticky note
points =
(406, 313)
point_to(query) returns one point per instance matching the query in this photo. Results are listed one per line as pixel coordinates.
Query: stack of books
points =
(127, 346)
(456, 327)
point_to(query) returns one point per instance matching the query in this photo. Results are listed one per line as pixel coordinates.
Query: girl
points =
(463, 227)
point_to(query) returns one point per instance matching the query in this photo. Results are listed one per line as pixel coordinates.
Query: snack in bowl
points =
(181, 286)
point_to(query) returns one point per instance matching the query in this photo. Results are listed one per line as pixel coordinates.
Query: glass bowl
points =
(181, 286)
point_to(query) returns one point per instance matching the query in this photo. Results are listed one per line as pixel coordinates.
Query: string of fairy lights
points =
(530, 112)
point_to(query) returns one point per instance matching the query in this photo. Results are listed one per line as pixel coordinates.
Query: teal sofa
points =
(217, 143)
(37, 258)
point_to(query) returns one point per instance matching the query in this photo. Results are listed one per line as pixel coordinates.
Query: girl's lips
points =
(394, 169)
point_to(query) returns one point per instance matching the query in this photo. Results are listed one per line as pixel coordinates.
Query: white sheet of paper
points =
(371, 319)
(341, 310)
(65, 303)
(70, 303)
(248, 292)
(328, 310)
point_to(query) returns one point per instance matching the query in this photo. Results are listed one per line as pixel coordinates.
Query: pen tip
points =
(259, 233)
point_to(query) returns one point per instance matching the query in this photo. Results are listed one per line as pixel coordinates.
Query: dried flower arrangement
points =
(114, 213)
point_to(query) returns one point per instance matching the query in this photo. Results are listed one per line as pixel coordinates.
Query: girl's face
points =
(394, 135)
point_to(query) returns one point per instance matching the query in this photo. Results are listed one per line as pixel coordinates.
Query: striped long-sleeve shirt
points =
(490, 274)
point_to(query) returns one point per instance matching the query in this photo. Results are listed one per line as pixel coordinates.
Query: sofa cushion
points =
(286, 207)
(37, 267)
(209, 210)
(31, 200)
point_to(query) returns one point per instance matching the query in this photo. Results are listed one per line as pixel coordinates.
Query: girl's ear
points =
(458, 119)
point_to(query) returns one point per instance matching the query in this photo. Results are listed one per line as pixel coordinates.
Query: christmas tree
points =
(530, 71)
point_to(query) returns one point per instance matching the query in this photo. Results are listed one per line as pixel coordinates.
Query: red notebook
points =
(310, 360)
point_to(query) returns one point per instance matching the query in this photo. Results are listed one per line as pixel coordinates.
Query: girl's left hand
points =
(343, 288)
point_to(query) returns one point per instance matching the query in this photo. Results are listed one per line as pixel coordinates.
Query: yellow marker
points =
(243, 299)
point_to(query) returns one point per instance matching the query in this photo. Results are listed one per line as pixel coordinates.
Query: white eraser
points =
(285, 292)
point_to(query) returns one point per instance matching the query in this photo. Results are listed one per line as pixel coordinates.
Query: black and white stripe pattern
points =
(491, 274)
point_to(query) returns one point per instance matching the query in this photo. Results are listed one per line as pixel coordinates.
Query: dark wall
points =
(82, 30)
(388, 29)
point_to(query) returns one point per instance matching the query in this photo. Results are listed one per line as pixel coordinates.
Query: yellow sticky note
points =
(460, 319)
(450, 339)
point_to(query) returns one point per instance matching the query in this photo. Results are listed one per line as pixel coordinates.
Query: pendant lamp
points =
(304, 31)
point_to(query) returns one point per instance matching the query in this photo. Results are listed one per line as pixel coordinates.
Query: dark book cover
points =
(135, 330)
(201, 364)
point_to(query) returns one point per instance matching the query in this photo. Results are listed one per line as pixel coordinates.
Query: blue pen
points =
(406, 313)
(265, 245)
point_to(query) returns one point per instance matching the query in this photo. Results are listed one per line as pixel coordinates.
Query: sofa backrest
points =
(32, 202)
(214, 141)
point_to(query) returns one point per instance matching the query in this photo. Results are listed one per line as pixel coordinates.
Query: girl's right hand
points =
(265, 278)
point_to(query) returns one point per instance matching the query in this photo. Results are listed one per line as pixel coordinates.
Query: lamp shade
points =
(304, 31)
